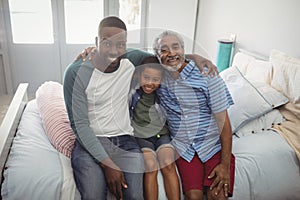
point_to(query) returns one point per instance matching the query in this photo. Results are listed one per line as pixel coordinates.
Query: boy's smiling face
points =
(112, 46)
(150, 79)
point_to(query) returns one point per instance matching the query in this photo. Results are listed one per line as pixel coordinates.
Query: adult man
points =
(195, 107)
(96, 95)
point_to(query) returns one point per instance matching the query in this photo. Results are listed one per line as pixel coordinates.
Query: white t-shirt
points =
(107, 96)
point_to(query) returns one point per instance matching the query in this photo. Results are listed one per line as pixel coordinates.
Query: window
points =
(31, 21)
(130, 11)
(82, 19)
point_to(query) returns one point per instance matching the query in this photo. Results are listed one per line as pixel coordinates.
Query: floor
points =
(4, 104)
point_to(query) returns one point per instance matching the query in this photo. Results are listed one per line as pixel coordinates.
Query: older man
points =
(195, 107)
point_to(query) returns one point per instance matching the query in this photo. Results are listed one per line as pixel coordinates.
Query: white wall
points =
(260, 25)
(176, 15)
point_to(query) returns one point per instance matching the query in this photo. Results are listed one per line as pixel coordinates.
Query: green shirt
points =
(146, 120)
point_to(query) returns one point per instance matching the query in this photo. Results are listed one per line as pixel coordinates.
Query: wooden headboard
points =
(10, 123)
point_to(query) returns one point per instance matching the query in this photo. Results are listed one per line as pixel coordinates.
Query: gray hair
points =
(164, 34)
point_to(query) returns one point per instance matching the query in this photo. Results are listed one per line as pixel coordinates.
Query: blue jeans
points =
(89, 177)
(154, 142)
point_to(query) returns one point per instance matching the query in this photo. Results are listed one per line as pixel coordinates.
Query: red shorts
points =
(194, 174)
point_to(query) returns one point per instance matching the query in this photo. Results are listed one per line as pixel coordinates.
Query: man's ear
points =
(158, 57)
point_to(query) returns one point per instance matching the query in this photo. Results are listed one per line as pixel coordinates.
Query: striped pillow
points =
(50, 101)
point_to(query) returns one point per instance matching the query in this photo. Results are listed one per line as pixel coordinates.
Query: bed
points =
(36, 138)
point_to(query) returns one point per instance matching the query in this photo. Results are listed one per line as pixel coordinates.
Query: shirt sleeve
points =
(219, 96)
(136, 56)
(76, 79)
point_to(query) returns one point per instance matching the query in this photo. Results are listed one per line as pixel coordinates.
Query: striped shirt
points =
(190, 103)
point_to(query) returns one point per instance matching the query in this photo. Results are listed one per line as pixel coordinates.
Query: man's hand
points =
(85, 52)
(212, 70)
(114, 177)
(222, 179)
(202, 62)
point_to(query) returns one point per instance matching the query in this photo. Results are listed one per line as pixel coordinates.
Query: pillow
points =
(50, 101)
(261, 124)
(274, 97)
(286, 75)
(241, 61)
(248, 102)
(259, 71)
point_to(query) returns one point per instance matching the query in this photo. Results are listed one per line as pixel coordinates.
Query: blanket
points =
(290, 128)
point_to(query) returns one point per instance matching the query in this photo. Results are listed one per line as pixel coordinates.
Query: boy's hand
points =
(114, 177)
(85, 52)
(222, 179)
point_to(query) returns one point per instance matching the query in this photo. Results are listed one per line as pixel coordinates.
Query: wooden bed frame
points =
(10, 123)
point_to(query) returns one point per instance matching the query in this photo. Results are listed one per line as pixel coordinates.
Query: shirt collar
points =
(187, 69)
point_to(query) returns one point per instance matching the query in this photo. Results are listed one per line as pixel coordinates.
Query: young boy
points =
(151, 131)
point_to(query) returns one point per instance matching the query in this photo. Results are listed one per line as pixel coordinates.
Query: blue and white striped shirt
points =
(190, 103)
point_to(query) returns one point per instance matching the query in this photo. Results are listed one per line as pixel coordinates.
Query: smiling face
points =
(170, 52)
(111, 46)
(150, 79)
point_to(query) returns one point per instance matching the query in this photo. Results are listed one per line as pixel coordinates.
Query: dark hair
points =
(111, 21)
(151, 62)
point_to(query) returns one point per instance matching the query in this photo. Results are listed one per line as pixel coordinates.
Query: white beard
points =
(172, 68)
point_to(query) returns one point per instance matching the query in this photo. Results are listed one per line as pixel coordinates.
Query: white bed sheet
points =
(266, 166)
(35, 169)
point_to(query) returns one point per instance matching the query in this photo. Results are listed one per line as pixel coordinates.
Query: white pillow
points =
(261, 124)
(286, 75)
(259, 71)
(248, 102)
(241, 61)
(274, 97)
